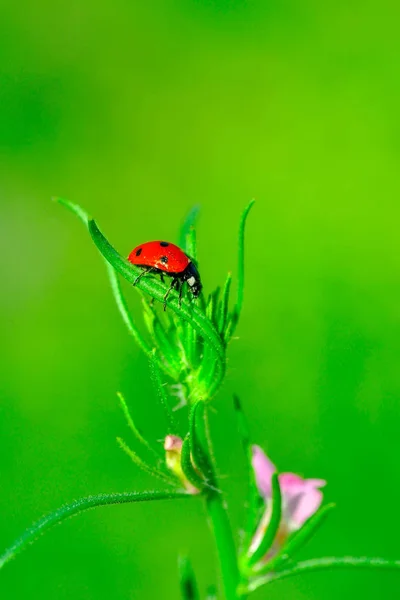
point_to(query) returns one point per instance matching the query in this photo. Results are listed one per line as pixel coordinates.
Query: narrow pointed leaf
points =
(162, 395)
(255, 504)
(240, 287)
(191, 346)
(124, 312)
(223, 307)
(185, 233)
(187, 465)
(187, 580)
(242, 425)
(212, 306)
(273, 526)
(76, 507)
(115, 285)
(169, 361)
(242, 227)
(199, 444)
(74, 208)
(191, 244)
(300, 537)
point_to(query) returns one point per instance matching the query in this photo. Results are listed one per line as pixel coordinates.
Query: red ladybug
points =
(166, 258)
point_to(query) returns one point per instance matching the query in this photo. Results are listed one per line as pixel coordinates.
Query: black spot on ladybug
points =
(139, 252)
(164, 245)
(164, 260)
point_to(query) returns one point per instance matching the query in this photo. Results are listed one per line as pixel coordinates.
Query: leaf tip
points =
(236, 403)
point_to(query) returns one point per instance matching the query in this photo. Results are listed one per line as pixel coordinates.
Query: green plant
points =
(186, 347)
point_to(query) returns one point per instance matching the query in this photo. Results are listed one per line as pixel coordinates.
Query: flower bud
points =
(173, 452)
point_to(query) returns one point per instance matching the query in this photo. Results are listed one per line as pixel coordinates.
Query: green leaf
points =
(273, 525)
(75, 209)
(207, 369)
(188, 311)
(211, 593)
(212, 305)
(143, 465)
(115, 285)
(154, 287)
(242, 425)
(199, 444)
(187, 236)
(162, 395)
(123, 309)
(240, 288)
(191, 346)
(255, 505)
(187, 465)
(76, 507)
(169, 361)
(242, 227)
(325, 563)
(223, 307)
(187, 580)
(300, 537)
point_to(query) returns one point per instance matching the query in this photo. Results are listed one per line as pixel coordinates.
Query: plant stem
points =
(219, 521)
(225, 544)
(328, 562)
(78, 506)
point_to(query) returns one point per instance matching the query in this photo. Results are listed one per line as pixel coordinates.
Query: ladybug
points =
(165, 258)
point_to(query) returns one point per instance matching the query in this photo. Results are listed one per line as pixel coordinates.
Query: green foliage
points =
(255, 504)
(299, 538)
(191, 340)
(187, 580)
(187, 465)
(269, 536)
(186, 347)
(162, 394)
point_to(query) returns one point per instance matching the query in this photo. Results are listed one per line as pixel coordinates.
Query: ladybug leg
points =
(167, 293)
(180, 285)
(144, 272)
(174, 283)
(162, 277)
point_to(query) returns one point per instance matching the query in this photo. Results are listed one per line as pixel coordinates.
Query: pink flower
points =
(301, 498)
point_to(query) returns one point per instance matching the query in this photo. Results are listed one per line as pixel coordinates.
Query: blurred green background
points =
(138, 110)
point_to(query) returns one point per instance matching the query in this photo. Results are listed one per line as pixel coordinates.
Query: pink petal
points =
(263, 469)
(308, 504)
(173, 443)
(316, 483)
(301, 498)
(291, 484)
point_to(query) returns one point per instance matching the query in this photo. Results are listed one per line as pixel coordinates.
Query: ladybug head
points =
(192, 276)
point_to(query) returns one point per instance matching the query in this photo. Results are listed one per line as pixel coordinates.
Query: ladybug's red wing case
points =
(161, 255)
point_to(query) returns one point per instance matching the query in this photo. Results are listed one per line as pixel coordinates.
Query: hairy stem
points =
(328, 562)
(74, 508)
